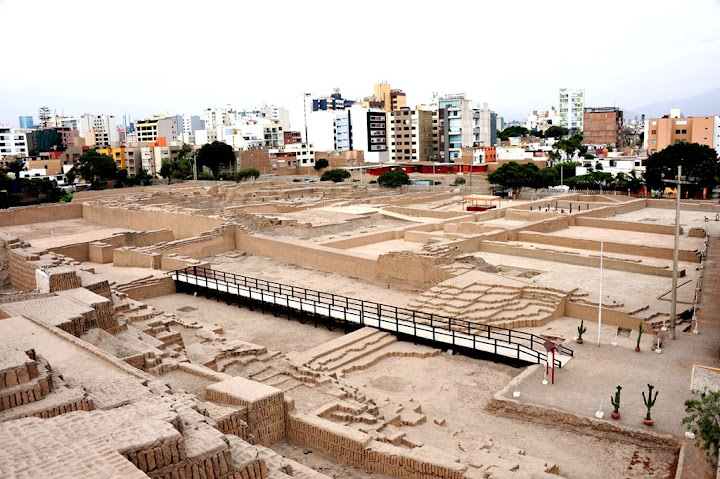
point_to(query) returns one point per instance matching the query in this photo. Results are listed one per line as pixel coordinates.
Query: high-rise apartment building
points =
(333, 102)
(571, 105)
(455, 126)
(26, 122)
(385, 98)
(354, 128)
(156, 127)
(674, 128)
(411, 135)
(12, 143)
(602, 126)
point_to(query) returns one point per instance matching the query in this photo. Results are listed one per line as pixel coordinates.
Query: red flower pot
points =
(637, 349)
(615, 415)
(648, 422)
(579, 340)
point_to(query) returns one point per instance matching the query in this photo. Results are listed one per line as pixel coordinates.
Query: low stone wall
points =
(576, 259)
(136, 258)
(423, 213)
(149, 288)
(363, 239)
(608, 246)
(624, 225)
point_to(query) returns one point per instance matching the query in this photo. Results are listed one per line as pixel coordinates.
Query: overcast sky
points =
(152, 56)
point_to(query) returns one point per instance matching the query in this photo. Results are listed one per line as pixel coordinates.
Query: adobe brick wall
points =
(40, 214)
(181, 225)
(136, 258)
(625, 225)
(323, 258)
(609, 246)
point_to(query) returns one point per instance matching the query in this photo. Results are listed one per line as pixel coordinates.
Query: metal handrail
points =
(437, 324)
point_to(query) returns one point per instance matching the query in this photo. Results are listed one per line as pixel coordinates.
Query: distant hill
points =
(705, 104)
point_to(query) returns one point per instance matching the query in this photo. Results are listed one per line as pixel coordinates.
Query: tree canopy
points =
(514, 175)
(568, 148)
(556, 131)
(180, 169)
(704, 421)
(336, 176)
(393, 179)
(699, 162)
(321, 163)
(246, 174)
(95, 168)
(514, 130)
(214, 155)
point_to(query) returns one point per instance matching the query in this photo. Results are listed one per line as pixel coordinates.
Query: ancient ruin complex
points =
(275, 329)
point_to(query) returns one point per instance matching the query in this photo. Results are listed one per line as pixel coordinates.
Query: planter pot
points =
(637, 349)
(579, 341)
(648, 422)
(615, 415)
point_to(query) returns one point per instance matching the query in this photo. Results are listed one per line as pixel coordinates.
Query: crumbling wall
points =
(410, 270)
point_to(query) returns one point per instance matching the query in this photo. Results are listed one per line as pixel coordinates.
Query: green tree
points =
(143, 177)
(95, 168)
(336, 176)
(15, 167)
(703, 417)
(698, 162)
(512, 131)
(569, 147)
(321, 163)
(514, 175)
(556, 132)
(214, 155)
(393, 179)
(179, 169)
(543, 178)
(246, 174)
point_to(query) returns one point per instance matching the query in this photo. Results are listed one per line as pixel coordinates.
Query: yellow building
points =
(385, 98)
(117, 154)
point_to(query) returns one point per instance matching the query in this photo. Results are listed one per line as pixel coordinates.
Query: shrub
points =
(459, 181)
(393, 179)
(205, 176)
(336, 176)
(321, 163)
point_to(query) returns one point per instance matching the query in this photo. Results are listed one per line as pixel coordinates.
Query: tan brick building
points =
(602, 126)
(671, 129)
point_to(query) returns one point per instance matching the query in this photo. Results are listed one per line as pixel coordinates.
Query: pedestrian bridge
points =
(438, 331)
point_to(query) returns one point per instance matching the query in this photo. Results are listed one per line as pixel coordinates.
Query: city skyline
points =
(623, 54)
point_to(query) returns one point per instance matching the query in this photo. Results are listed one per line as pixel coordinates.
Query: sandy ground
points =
(121, 274)
(457, 388)
(60, 233)
(277, 334)
(377, 249)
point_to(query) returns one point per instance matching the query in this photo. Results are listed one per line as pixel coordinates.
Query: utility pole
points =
(679, 181)
(601, 293)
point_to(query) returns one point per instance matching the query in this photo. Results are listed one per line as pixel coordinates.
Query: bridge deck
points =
(440, 331)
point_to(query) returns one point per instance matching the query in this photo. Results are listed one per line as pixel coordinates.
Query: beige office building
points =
(411, 135)
(673, 128)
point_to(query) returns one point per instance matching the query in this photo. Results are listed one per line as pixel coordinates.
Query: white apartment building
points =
(304, 153)
(156, 127)
(98, 130)
(571, 108)
(190, 124)
(12, 143)
(321, 131)
(541, 120)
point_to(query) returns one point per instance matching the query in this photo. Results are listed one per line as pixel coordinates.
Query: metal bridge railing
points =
(369, 313)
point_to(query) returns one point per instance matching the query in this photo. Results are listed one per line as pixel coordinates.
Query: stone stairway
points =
(357, 350)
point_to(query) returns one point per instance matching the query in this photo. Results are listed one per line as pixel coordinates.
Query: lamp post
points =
(679, 181)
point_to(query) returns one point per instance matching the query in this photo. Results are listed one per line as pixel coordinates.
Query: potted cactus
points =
(640, 333)
(581, 330)
(649, 403)
(616, 404)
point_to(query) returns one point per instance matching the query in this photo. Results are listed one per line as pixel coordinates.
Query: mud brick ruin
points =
(272, 330)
